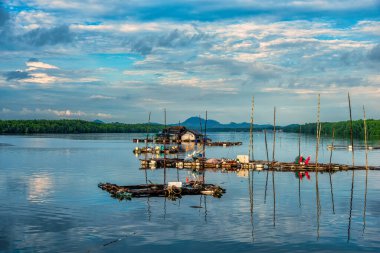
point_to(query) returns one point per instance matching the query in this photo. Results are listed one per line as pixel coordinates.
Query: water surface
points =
(51, 202)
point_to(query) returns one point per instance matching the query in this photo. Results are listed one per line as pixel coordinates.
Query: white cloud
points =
(65, 113)
(101, 97)
(40, 78)
(103, 115)
(35, 65)
(6, 110)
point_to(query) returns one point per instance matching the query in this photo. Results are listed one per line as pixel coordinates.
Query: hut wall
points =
(188, 136)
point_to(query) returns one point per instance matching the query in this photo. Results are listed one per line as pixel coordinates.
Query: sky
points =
(117, 60)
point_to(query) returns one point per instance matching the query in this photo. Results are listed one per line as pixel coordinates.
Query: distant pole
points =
(365, 139)
(331, 186)
(332, 147)
(146, 149)
(316, 164)
(353, 172)
(274, 134)
(178, 147)
(251, 151)
(299, 143)
(366, 167)
(201, 129)
(266, 181)
(351, 131)
(165, 136)
(204, 149)
(273, 184)
(318, 132)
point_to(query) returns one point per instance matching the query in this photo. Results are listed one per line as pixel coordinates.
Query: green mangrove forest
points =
(65, 126)
(71, 127)
(342, 128)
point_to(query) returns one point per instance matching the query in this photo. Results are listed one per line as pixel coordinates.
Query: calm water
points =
(50, 201)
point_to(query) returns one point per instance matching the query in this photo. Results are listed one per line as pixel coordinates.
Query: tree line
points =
(342, 128)
(71, 127)
(65, 126)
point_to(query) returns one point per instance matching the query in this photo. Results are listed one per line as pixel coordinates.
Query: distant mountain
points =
(195, 123)
(98, 121)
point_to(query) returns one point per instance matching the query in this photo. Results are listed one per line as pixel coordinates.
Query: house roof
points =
(194, 132)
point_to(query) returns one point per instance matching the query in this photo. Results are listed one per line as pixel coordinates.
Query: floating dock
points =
(160, 190)
(349, 147)
(157, 150)
(224, 143)
(234, 165)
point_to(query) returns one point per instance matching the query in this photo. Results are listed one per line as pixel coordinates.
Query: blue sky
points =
(117, 60)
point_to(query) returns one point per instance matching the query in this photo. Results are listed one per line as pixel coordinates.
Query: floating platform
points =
(234, 165)
(142, 140)
(208, 143)
(349, 147)
(157, 150)
(160, 190)
(224, 143)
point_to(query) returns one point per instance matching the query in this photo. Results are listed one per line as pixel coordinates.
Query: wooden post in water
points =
(351, 133)
(299, 143)
(316, 164)
(251, 151)
(331, 186)
(365, 140)
(146, 149)
(204, 149)
(274, 134)
(266, 181)
(299, 179)
(366, 167)
(166, 135)
(353, 172)
(273, 184)
(318, 132)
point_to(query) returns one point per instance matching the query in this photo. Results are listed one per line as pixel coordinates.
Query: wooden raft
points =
(160, 190)
(234, 165)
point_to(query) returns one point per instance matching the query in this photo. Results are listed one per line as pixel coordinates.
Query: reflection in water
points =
(251, 200)
(365, 198)
(274, 200)
(205, 204)
(77, 222)
(351, 200)
(266, 181)
(40, 186)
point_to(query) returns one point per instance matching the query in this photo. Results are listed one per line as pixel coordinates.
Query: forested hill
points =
(342, 128)
(71, 126)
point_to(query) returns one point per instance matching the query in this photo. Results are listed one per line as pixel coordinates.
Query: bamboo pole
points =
(365, 139)
(366, 171)
(332, 147)
(274, 134)
(273, 184)
(316, 165)
(164, 149)
(318, 132)
(266, 181)
(353, 172)
(251, 151)
(299, 143)
(351, 131)
(146, 147)
(331, 186)
(299, 178)
(204, 149)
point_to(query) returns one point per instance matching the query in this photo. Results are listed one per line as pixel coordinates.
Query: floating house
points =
(179, 134)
